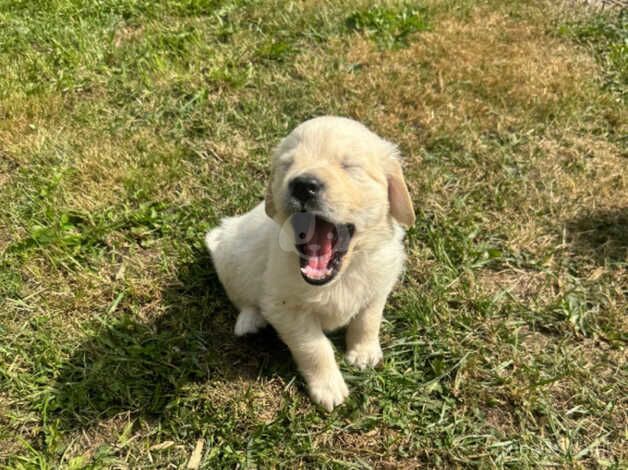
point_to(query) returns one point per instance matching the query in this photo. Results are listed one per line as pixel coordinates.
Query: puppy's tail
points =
(212, 239)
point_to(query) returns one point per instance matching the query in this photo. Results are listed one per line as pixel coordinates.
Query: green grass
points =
(607, 35)
(390, 27)
(127, 129)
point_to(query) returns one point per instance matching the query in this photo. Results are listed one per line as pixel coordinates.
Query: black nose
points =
(305, 188)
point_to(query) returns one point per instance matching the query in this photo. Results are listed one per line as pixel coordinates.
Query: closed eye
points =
(350, 166)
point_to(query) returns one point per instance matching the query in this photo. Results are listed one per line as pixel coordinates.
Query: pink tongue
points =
(319, 247)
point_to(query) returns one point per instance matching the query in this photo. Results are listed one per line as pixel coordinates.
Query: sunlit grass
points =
(127, 129)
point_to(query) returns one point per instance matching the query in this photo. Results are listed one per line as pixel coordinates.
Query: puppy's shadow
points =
(141, 367)
(601, 235)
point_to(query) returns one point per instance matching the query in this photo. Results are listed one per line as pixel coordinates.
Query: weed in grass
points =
(607, 34)
(390, 28)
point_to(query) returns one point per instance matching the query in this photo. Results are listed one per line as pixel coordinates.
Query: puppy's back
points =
(239, 251)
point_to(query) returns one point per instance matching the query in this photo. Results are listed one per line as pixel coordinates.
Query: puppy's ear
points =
(269, 205)
(398, 196)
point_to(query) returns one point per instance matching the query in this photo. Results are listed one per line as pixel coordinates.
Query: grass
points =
(128, 129)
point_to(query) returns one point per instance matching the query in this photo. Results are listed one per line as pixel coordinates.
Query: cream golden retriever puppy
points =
(324, 249)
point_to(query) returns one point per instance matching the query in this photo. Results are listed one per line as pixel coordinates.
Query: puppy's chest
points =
(336, 307)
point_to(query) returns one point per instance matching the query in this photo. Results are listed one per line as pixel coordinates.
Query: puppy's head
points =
(338, 188)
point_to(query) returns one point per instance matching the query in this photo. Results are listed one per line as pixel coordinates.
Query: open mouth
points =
(321, 245)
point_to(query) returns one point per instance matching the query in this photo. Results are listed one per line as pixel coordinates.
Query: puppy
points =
(323, 251)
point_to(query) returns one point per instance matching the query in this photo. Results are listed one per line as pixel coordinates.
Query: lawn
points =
(128, 128)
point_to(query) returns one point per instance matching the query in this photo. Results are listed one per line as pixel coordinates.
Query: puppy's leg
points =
(314, 356)
(249, 321)
(363, 347)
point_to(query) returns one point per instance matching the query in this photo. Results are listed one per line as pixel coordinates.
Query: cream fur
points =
(260, 271)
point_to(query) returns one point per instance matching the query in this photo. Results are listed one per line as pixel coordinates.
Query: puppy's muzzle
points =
(306, 190)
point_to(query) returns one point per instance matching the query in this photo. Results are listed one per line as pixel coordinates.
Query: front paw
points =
(329, 391)
(365, 355)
